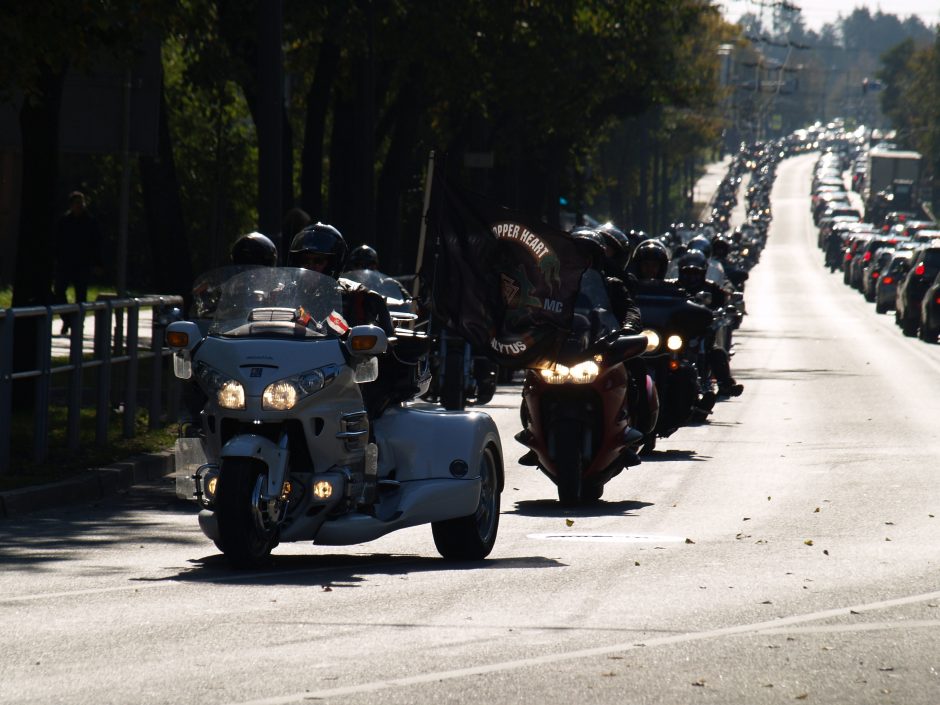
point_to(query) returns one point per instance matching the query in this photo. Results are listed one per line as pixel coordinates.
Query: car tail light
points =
(848, 256)
(919, 270)
(874, 275)
(887, 280)
(867, 257)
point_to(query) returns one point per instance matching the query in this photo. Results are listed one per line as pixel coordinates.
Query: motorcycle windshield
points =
(207, 289)
(382, 284)
(278, 301)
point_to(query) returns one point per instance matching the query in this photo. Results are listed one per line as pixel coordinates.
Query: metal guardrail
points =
(114, 345)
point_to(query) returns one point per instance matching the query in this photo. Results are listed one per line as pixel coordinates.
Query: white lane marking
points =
(607, 538)
(866, 627)
(438, 676)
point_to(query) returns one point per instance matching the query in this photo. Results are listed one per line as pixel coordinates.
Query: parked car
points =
(864, 257)
(924, 268)
(871, 272)
(930, 313)
(887, 285)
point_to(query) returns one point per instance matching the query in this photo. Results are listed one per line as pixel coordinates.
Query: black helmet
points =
(721, 247)
(692, 269)
(363, 257)
(652, 251)
(619, 245)
(702, 244)
(594, 242)
(319, 240)
(254, 248)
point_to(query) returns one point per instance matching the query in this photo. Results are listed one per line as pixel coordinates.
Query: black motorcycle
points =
(675, 329)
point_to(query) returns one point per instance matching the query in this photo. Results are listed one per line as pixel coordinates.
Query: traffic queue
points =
(874, 231)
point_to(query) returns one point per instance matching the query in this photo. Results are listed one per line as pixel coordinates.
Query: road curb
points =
(90, 486)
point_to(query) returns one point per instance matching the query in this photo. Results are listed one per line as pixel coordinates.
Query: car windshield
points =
(278, 301)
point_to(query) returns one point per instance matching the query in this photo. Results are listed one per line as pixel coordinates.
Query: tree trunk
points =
(318, 104)
(169, 241)
(39, 206)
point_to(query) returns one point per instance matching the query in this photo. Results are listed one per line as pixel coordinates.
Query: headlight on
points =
(652, 340)
(279, 396)
(584, 372)
(555, 375)
(231, 395)
(674, 343)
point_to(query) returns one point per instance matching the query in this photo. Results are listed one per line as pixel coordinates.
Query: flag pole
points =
(422, 233)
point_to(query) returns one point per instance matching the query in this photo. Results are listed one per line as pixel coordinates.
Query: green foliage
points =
(215, 149)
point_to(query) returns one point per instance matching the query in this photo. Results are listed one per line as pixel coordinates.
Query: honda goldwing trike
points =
(289, 449)
(576, 418)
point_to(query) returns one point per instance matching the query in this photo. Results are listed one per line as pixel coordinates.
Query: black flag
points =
(504, 281)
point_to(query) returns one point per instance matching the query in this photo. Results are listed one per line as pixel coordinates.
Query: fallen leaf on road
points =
(689, 541)
(768, 498)
(816, 510)
(886, 668)
(746, 519)
(768, 685)
(636, 563)
(826, 551)
(766, 602)
(827, 648)
(569, 522)
(699, 683)
(889, 523)
(854, 612)
(808, 542)
(609, 675)
(802, 696)
(327, 588)
(931, 605)
(887, 539)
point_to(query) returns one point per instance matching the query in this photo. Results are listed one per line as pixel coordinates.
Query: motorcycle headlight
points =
(674, 343)
(279, 396)
(231, 395)
(555, 375)
(286, 393)
(584, 372)
(652, 340)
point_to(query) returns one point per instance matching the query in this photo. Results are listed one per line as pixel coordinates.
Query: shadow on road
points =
(338, 571)
(551, 508)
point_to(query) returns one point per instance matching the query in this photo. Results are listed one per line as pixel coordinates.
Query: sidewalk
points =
(88, 487)
(707, 185)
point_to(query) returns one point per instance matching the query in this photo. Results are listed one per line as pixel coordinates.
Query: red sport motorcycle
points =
(584, 416)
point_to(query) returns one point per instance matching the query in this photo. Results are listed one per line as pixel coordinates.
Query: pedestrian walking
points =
(77, 251)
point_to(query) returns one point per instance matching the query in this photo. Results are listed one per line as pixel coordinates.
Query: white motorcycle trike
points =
(288, 450)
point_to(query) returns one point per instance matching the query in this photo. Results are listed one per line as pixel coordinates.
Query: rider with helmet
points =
(254, 248)
(362, 257)
(322, 248)
(692, 277)
(607, 251)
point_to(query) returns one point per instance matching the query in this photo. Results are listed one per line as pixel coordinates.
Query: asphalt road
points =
(786, 551)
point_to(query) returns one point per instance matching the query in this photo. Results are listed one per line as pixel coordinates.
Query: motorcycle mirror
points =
(182, 335)
(366, 340)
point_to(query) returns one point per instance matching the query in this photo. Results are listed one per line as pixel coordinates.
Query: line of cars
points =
(894, 263)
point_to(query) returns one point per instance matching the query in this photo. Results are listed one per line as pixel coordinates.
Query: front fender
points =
(260, 448)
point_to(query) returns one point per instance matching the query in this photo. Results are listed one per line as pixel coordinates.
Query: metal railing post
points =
(43, 382)
(6, 389)
(156, 382)
(103, 347)
(130, 391)
(76, 358)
